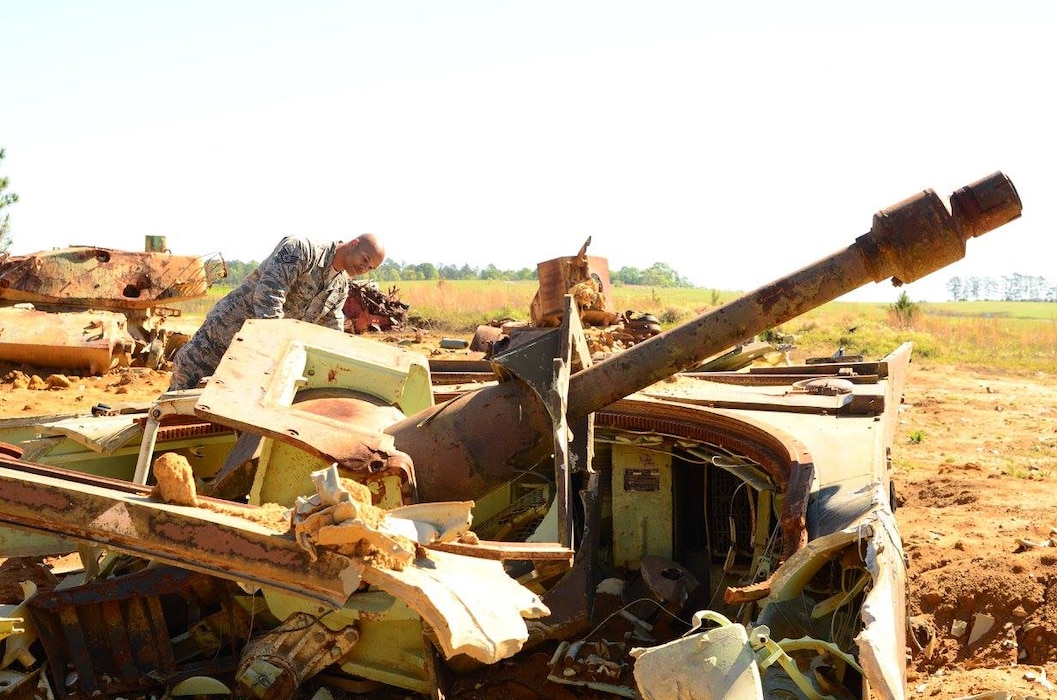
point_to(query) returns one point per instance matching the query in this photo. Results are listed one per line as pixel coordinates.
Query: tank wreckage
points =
(94, 309)
(586, 279)
(331, 514)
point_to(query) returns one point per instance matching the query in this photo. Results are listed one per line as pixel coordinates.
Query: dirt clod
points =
(176, 481)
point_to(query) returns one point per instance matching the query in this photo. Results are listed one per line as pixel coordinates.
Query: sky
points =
(734, 142)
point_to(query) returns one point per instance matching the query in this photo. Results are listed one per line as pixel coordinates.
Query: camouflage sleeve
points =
(279, 271)
(337, 291)
(336, 318)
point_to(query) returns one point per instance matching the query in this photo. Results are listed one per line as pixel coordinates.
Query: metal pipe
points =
(907, 241)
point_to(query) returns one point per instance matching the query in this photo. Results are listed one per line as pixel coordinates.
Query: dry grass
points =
(459, 306)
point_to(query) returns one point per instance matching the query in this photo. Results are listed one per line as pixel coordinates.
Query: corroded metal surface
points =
(908, 241)
(275, 665)
(252, 390)
(95, 341)
(217, 543)
(802, 488)
(93, 309)
(466, 446)
(114, 637)
(86, 277)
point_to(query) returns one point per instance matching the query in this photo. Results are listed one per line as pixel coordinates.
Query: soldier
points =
(300, 279)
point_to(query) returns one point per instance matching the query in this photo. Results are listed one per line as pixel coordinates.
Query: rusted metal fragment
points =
(274, 665)
(473, 605)
(105, 278)
(739, 595)
(667, 582)
(368, 309)
(90, 341)
(584, 277)
(223, 541)
(270, 362)
(598, 665)
(115, 637)
(93, 309)
(508, 551)
(24, 686)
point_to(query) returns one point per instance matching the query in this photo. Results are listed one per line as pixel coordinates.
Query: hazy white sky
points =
(733, 141)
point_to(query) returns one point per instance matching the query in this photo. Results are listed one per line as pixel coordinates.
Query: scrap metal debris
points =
(94, 309)
(368, 309)
(585, 278)
(732, 496)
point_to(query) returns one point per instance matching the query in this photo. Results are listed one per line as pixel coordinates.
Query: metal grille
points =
(726, 503)
(519, 519)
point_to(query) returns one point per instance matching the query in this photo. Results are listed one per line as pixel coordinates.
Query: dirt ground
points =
(976, 458)
(977, 466)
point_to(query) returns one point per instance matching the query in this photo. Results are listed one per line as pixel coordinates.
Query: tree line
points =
(1015, 287)
(657, 275)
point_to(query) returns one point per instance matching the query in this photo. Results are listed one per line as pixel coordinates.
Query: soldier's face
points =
(362, 259)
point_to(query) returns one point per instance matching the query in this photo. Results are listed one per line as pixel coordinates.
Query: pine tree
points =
(6, 199)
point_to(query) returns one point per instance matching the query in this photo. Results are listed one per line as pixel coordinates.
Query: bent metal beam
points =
(215, 542)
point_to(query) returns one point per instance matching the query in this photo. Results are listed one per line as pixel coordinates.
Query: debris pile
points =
(731, 498)
(367, 309)
(585, 279)
(94, 309)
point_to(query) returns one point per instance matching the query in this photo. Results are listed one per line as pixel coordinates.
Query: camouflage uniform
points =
(297, 280)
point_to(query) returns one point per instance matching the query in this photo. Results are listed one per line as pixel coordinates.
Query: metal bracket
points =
(545, 365)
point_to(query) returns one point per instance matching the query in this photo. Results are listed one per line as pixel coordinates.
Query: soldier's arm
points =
(336, 318)
(279, 272)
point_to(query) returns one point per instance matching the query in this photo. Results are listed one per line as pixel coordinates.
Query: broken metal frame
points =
(94, 309)
(175, 403)
(116, 635)
(123, 517)
(879, 254)
(567, 348)
(571, 600)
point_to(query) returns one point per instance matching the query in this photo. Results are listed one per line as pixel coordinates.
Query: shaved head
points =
(360, 255)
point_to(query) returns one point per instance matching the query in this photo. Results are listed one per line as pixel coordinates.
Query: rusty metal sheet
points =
(255, 384)
(88, 277)
(95, 341)
(215, 542)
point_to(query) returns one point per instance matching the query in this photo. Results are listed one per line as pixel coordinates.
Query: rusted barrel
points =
(907, 241)
(466, 446)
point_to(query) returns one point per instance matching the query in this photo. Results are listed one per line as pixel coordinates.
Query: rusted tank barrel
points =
(463, 448)
(907, 241)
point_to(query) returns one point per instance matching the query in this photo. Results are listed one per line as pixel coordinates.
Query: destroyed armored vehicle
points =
(586, 279)
(328, 513)
(93, 309)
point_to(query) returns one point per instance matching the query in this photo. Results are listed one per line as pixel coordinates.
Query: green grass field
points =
(1015, 336)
